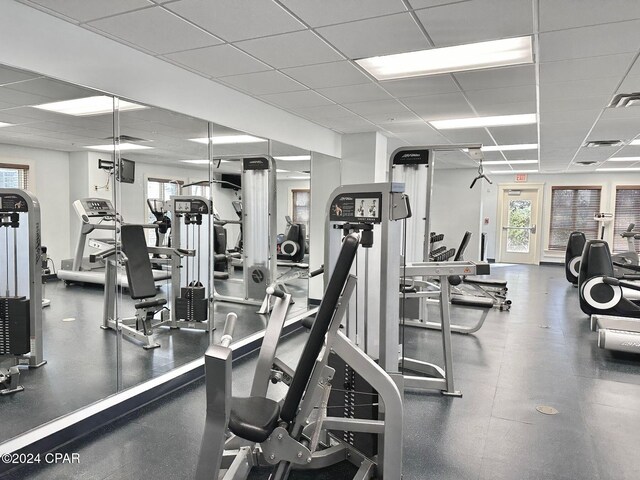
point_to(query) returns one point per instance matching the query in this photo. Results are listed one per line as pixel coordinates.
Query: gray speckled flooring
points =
(540, 353)
(81, 357)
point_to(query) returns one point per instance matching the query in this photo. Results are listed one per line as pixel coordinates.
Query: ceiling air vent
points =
(604, 143)
(623, 100)
(129, 139)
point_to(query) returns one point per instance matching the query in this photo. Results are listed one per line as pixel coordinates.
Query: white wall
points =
(455, 209)
(284, 203)
(88, 59)
(49, 181)
(325, 177)
(608, 181)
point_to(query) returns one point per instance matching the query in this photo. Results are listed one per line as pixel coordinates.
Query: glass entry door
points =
(519, 229)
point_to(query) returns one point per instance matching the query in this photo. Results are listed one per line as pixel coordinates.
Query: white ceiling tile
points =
(579, 88)
(469, 135)
(496, 96)
(431, 3)
(630, 84)
(84, 10)
(349, 124)
(328, 12)
(306, 98)
(581, 117)
(515, 134)
(420, 86)
(326, 75)
(385, 107)
(219, 61)
(376, 36)
(263, 83)
(561, 15)
(355, 93)
(585, 68)
(386, 120)
(477, 21)
(10, 75)
(488, 109)
(630, 113)
(156, 30)
(436, 107)
(615, 129)
(423, 137)
(15, 98)
(323, 112)
(548, 104)
(235, 20)
(497, 77)
(609, 39)
(291, 49)
(52, 89)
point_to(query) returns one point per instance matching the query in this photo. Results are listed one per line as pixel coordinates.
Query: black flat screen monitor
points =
(234, 180)
(127, 171)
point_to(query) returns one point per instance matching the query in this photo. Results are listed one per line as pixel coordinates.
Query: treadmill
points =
(96, 214)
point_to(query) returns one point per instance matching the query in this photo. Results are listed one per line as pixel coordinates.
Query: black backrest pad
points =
(219, 239)
(463, 246)
(138, 266)
(320, 327)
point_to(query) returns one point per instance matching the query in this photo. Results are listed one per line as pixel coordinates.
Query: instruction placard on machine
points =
(357, 207)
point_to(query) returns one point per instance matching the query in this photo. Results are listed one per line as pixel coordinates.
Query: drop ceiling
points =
(299, 56)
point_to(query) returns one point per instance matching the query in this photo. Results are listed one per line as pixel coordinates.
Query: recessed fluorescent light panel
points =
(479, 122)
(123, 146)
(98, 105)
(2, 124)
(509, 148)
(624, 159)
(622, 169)
(229, 139)
(460, 58)
(294, 157)
(510, 162)
(500, 172)
(635, 142)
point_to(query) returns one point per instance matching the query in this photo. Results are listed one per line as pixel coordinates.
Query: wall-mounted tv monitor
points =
(127, 171)
(232, 179)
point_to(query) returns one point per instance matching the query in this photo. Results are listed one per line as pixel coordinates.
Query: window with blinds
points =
(301, 202)
(627, 212)
(572, 209)
(14, 176)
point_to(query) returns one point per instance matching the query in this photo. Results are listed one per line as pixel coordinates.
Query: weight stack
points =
(191, 305)
(352, 397)
(15, 326)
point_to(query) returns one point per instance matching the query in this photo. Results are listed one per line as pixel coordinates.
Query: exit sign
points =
(521, 177)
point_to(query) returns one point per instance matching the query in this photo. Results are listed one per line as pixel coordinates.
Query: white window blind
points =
(301, 206)
(14, 176)
(572, 209)
(627, 211)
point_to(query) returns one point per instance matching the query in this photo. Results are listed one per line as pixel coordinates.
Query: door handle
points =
(532, 229)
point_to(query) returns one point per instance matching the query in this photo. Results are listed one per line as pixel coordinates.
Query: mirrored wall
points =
(156, 225)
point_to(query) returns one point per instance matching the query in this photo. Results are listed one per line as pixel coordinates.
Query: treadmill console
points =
(87, 208)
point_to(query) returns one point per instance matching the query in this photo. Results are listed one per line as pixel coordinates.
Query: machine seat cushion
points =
(486, 281)
(158, 302)
(253, 418)
(471, 301)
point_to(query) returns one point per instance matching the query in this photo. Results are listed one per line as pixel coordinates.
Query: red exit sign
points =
(521, 177)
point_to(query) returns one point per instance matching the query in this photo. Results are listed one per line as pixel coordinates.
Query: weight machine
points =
(258, 227)
(21, 290)
(373, 321)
